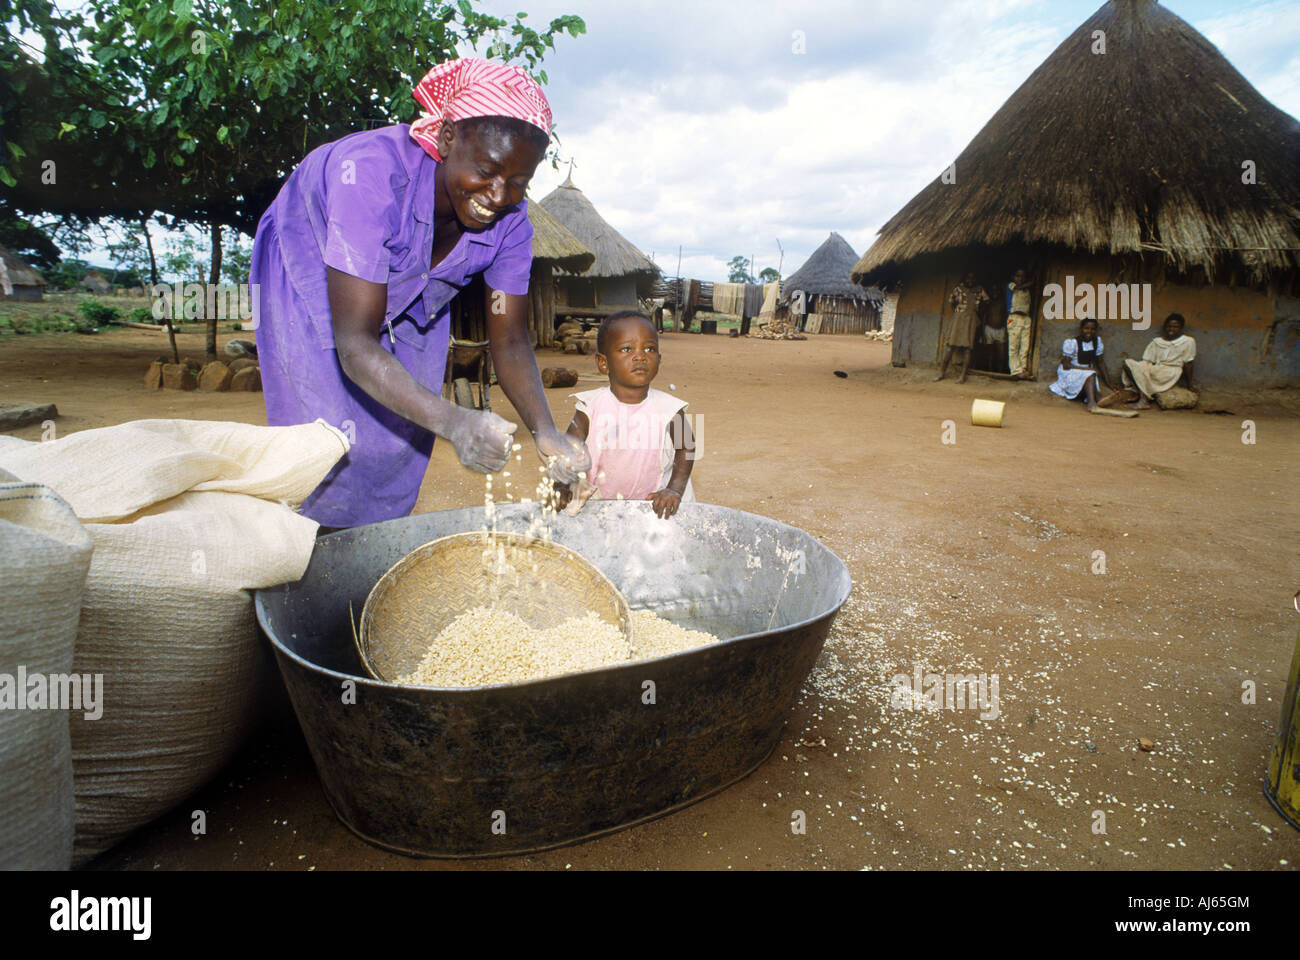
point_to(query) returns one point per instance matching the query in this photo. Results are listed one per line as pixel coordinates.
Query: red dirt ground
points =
(975, 556)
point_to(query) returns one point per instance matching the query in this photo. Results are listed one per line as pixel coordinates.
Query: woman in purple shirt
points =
(356, 262)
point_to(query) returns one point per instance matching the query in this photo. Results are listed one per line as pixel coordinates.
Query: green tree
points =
(28, 241)
(130, 256)
(66, 274)
(199, 109)
(739, 267)
(768, 275)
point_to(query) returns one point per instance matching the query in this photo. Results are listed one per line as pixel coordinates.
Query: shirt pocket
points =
(403, 328)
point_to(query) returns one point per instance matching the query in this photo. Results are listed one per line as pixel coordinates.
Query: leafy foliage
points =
(99, 314)
(200, 109)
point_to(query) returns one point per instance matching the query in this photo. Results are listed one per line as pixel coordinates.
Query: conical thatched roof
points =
(552, 241)
(615, 256)
(19, 271)
(1139, 149)
(826, 272)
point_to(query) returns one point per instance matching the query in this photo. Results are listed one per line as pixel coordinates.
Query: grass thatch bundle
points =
(1137, 150)
(615, 256)
(552, 241)
(20, 272)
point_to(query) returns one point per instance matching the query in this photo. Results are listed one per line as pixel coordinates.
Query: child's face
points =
(631, 357)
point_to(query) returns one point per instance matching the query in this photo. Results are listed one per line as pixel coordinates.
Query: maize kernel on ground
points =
(487, 646)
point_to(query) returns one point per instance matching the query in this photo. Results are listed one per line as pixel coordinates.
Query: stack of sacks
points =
(44, 556)
(186, 517)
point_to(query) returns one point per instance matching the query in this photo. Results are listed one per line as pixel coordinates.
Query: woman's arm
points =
(1186, 378)
(516, 369)
(357, 307)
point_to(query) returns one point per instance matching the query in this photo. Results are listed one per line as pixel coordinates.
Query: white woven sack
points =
(167, 617)
(112, 472)
(44, 556)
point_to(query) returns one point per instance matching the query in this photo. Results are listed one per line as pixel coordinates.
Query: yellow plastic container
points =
(1283, 785)
(987, 413)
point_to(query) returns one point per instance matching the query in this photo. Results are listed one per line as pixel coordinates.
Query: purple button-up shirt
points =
(364, 205)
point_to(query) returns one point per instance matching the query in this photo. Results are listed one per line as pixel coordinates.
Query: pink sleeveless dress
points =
(631, 449)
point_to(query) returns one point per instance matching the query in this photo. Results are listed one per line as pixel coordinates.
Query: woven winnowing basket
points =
(541, 582)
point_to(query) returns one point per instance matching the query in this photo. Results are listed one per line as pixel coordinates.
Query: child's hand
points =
(666, 502)
(563, 494)
(578, 494)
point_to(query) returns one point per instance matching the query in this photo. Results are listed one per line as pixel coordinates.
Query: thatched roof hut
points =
(1153, 161)
(553, 242)
(1136, 150)
(835, 303)
(94, 282)
(621, 273)
(19, 280)
(554, 248)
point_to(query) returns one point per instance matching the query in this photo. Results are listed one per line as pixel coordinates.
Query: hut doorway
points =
(993, 271)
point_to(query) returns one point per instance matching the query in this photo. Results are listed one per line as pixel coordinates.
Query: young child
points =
(641, 445)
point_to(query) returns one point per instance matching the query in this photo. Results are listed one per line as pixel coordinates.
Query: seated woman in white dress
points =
(1167, 362)
(1081, 366)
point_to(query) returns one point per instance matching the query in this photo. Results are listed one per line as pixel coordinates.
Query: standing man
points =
(1019, 319)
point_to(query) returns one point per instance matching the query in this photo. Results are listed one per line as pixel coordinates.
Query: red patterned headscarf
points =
(470, 87)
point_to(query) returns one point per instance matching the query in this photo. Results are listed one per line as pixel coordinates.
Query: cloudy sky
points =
(696, 122)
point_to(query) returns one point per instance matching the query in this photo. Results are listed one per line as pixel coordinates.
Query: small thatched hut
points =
(833, 302)
(94, 282)
(621, 273)
(554, 248)
(1153, 162)
(19, 280)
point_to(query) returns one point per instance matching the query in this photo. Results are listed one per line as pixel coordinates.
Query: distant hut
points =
(554, 248)
(19, 280)
(833, 302)
(621, 273)
(1155, 162)
(94, 282)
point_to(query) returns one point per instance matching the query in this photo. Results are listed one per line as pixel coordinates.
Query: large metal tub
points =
(443, 772)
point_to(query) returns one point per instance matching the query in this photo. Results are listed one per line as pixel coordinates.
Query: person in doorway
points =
(1019, 320)
(967, 300)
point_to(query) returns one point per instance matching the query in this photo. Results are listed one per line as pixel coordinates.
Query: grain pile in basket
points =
(487, 646)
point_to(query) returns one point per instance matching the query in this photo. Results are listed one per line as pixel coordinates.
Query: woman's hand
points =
(666, 502)
(565, 456)
(482, 439)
